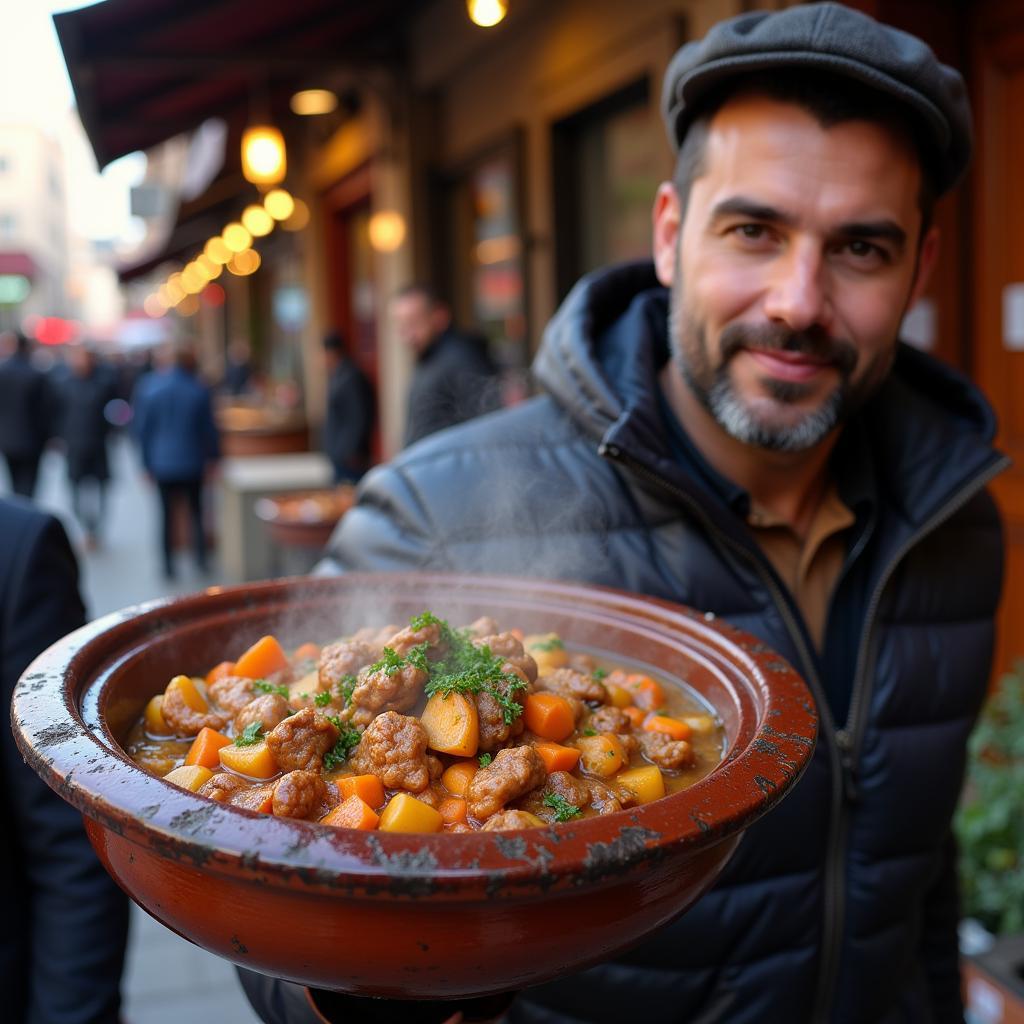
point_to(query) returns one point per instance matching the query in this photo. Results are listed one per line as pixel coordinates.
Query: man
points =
(65, 921)
(85, 394)
(454, 378)
(348, 425)
(738, 429)
(179, 443)
(25, 410)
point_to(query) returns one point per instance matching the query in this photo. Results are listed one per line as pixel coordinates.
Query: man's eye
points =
(753, 232)
(865, 251)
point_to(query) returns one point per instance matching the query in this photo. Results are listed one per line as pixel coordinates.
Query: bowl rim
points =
(86, 766)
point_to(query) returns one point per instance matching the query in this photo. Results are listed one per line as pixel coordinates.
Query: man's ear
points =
(926, 261)
(667, 223)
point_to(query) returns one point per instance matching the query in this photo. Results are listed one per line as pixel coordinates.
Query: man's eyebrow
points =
(887, 230)
(744, 207)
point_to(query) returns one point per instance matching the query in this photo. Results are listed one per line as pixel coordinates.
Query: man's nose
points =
(798, 293)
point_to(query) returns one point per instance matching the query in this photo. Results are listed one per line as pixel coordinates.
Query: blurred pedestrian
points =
(179, 443)
(348, 425)
(85, 394)
(237, 379)
(62, 944)
(454, 378)
(26, 411)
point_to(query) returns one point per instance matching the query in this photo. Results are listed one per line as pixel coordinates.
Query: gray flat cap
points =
(831, 38)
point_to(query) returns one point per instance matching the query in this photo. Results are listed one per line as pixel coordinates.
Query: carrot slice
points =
(368, 788)
(205, 749)
(647, 693)
(453, 809)
(635, 715)
(307, 652)
(225, 668)
(549, 716)
(265, 657)
(352, 812)
(557, 758)
(670, 726)
(457, 777)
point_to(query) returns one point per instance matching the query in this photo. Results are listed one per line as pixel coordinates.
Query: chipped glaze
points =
(438, 916)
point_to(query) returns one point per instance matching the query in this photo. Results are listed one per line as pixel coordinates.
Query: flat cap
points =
(827, 37)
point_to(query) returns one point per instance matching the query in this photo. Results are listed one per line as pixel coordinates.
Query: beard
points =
(770, 421)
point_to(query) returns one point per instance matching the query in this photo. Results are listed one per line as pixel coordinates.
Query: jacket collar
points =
(926, 433)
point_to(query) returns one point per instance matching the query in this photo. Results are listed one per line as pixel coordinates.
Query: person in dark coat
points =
(84, 428)
(26, 412)
(348, 425)
(62, 944)
(454, 378)
(736, 427)
(179, 442)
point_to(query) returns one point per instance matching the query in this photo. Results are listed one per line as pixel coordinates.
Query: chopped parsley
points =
(424, 619)
(264, 687)
(589, 732)
(346, 684)
(562, 808)
(392, 662)
(322, 699)
(551, 644)
(485, 760)
(599, 674)
(348, 740)
(250, 735)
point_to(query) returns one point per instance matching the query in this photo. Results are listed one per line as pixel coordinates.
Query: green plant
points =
(990, 820)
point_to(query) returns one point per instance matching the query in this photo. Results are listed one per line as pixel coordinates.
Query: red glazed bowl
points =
(406, 916)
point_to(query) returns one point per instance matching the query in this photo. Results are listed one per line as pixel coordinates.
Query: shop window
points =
(608, 162)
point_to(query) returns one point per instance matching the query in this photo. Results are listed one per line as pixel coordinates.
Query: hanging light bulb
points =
(257, 221)
(236, 237)
(387, 230)
(486, 13)
(278, 203)
(264, 160)
(216, 250)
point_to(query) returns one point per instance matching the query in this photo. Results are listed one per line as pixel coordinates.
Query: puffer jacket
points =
(841, 904)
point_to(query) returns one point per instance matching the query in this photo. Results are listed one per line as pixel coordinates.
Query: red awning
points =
(18, 263)
(146, 70)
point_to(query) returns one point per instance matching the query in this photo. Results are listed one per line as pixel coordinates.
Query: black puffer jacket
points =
(841, 904)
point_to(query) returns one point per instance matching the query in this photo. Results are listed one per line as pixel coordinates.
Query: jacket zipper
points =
(844, 748)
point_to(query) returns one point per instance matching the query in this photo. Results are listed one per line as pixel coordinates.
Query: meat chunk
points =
(300, 742)
(513, 772)
(232, 693)
(666, 752)
(509, 648)
(375, 637)
(406, 639)
(269, 710)
(484, 626)
(508, 821)
(572, 790)
(185, 720)
(299, 794)
(394, 748)
(341, 659)
(610, 719)
(602, 798)
(495, 732)
(570, 683)
(382, 690)
(220, 786)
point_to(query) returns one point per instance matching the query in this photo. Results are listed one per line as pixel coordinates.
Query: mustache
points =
(777, 338)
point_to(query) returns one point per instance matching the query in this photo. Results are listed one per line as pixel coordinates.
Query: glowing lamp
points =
(257, 221)
(263, 155)
(308, 102)
(154, 305)
(216, 250)
(387, 230)
(486, 13)
(244, 263)
(236, 237)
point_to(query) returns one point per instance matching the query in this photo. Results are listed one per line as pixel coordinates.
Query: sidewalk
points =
(167, 979)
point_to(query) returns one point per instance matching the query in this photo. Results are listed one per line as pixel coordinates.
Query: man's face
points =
(792, 269)
(417, 320)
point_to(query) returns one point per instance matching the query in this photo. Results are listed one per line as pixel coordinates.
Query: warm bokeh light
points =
(257, 221)
(192, 280)
(210, 268)
(164, 295)
(279, 203)
(154, 306)
(263, 155)
(212, 295)
(235, 237)
(217, 250)
(188, 306)
(387, 230)
(486, 13)
(308, 102)
(175, 291)
(299, 217)
(244, 263)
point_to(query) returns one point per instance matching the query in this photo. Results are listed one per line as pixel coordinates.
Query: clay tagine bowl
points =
(407, 916)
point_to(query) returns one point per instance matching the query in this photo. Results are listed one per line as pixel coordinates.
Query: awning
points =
(145, 70)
